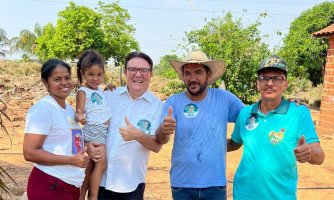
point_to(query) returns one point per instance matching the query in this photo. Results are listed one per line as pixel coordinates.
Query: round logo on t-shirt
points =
(191, 110)
(96, 98)
(252, 122)
(144, 125)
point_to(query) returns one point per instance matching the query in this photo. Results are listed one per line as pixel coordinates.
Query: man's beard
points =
(200, 91)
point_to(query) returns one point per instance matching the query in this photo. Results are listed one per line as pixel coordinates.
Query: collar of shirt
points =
(148, 96)
(281, 109)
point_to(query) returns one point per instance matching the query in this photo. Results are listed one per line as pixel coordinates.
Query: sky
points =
(161, 24)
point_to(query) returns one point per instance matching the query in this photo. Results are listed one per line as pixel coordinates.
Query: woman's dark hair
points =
(137, 54)
(87, 59)
(50, 65)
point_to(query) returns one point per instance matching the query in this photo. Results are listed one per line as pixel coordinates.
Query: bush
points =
(173, 87)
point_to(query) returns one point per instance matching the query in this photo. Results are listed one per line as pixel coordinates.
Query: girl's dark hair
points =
(87, 59)
(137, 54)
(50, 65)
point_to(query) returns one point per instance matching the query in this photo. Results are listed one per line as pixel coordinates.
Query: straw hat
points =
(217, 67)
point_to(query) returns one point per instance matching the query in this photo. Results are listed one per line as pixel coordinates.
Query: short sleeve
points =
(236, 131)
(38, 120)
(156, 119)
(306, 127)
(235, 107)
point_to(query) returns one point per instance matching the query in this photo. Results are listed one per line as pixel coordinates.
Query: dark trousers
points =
(137, 194)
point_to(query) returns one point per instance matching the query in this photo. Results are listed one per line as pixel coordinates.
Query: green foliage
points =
(45, 43)
(240, 47)
(78, 28)
(297, 85)
(173, 86)
(305, 55)
(118, 34)
(26, 43)
(164, 68)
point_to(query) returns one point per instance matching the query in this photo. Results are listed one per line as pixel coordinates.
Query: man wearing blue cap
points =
(275, 134)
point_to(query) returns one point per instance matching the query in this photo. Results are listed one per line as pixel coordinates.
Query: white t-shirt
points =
(96, 107)
(63, 137)
(127, 161)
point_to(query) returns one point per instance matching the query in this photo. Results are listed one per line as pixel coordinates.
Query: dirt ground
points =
(315, 182)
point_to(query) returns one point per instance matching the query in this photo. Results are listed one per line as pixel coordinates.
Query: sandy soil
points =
(315, 182)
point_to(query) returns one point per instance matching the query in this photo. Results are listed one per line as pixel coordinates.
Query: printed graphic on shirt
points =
(77, 140)
(252, 122)
(144, 125)
(96, 98)
(190, 111)
(276, 137)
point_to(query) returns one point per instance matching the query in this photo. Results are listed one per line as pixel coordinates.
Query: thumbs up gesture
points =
(80, 117)
(169, 123)
(81, 159)
(129, 132)
(302, 151)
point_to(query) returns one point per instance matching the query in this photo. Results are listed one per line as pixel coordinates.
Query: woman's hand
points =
(81, 159)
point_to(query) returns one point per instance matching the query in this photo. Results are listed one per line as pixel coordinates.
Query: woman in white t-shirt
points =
(53, 139)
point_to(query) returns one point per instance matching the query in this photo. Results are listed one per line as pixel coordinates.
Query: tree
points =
(305, 55)
(118, 34)
(26, 42)
(78, 28)
(45, 43)
(240, 47)
(3, 42)
(164, 68)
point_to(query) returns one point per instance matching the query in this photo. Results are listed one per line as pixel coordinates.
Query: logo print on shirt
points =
(190, 111)
(276, 137)
(96, 98)
(144, 125)
(252, 122)
(77, 140)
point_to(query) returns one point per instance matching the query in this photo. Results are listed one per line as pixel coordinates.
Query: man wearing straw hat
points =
(199, 153)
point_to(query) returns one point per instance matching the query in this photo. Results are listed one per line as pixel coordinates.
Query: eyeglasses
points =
(133, 70)
(275, 79)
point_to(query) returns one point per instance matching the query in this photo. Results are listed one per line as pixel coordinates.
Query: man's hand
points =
(81, 159)
(110, 87)
(95, 151)
(169, 123)
(303, 151)
(80, 117)
(129, 132)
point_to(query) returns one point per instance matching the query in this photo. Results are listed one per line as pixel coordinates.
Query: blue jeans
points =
(210, 193)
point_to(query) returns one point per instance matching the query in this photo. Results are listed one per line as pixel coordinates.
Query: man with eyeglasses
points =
(275, 134)
(135, 118)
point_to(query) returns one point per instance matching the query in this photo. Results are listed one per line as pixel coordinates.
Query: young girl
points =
(94, 113)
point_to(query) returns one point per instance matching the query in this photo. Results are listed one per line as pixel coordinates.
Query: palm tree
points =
(3, 42)
(26, 41)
